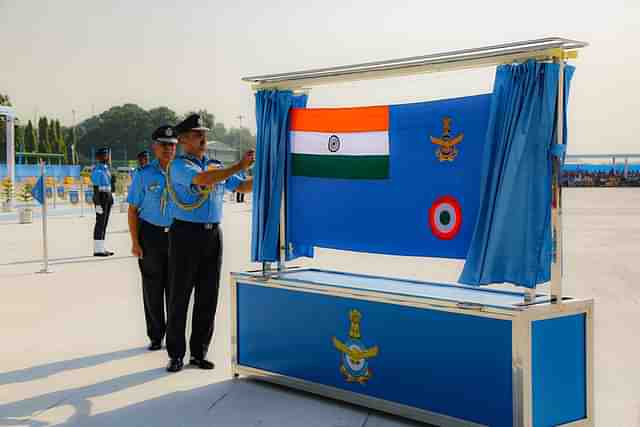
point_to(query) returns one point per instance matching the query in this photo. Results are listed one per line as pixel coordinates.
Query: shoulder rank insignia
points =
(355, 366)
(447, 150)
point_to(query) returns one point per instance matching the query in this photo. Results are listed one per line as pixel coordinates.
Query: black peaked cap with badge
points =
(192, 122)
(165, 133)
(103, 151)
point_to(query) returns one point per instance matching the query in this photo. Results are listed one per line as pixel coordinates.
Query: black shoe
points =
(109, 253)
(155, 345)
(201, 363)
(101, 254)
(175, 365)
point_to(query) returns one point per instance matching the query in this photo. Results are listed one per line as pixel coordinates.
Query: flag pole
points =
(45, 247)
(81, 196)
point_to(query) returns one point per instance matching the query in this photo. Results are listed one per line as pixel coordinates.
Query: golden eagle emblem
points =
(447, 150)
(355, 366)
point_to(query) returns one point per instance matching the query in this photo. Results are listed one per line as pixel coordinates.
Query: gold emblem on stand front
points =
(355, 366)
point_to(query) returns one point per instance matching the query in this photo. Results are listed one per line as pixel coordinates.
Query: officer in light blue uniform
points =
(183, 170)
(149, 221)
(143, 160)
(102, 199)
(196, 186)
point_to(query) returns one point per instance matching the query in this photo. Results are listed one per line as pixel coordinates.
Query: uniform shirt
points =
(101, 177)
(146, 194)
(183, 170)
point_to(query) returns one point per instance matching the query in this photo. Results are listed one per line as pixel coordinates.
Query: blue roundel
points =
(355, 368)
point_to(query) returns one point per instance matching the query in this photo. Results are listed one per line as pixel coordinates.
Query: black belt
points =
(158, 228)
(198, 225)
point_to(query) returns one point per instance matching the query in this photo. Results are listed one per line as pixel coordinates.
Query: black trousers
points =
(104, 201)
(196, 259)
(239, 197)
(154, 268)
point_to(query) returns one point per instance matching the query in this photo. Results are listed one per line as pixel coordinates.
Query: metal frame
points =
(555, 49)
(556, 188)
(544, 48)
(551, 48)
(521, 316)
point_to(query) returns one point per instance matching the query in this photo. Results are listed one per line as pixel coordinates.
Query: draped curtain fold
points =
(512, 238)
(272, 119)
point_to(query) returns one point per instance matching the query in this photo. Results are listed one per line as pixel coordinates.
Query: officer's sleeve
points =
(183, 172)
(136, 191)
(232, 183)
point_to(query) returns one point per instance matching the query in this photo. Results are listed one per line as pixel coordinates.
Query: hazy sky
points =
(61, 55)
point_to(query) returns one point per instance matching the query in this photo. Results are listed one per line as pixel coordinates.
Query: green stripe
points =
(345, 167)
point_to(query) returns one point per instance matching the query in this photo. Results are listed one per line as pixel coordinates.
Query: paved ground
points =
(72, 342)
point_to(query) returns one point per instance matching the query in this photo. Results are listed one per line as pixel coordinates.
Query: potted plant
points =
(25, 212)
(6, 193)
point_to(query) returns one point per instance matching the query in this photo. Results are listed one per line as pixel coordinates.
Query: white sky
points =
(89, 55)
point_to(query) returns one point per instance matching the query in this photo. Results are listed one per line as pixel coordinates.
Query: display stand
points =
(445, 354)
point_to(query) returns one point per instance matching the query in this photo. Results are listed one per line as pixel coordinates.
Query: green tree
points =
(52, 138)
(125, 129)
(30, 141)
(240, 139)
(61, 142)
(43, 136)
(219, 132)
(19, 138)
(4, 100)
(162, 116)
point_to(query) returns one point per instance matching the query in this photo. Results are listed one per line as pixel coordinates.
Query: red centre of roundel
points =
(445, 231)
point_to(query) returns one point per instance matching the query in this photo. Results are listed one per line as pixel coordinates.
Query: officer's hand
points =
(136, 250)
(247, 159)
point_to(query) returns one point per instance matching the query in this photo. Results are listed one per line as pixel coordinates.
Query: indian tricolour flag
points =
(348, 143)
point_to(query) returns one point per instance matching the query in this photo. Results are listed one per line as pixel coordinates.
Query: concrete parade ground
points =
(73, 342)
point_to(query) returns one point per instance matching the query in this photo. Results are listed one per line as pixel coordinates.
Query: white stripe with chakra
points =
(346, 144)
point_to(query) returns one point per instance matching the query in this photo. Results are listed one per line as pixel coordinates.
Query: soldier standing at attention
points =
(143, 160)
(196, 186)
(102, 199)
(149, 221)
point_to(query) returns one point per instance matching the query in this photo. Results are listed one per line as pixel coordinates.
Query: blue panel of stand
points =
(448, 363)
(559, 366)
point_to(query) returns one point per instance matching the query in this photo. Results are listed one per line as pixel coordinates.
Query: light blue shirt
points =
(183, 170)
(101, 177)
(146, 193)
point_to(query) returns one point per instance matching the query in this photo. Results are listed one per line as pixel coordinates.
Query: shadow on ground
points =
(228, 403)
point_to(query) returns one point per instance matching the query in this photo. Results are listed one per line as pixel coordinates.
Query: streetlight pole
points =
(240, 117)
(73, 144)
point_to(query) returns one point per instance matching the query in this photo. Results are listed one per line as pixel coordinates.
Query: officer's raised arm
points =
(214, 176)
(192, 136)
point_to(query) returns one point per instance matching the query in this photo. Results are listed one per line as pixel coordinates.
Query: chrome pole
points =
(556, 188)
(45, 246)
(282, 259)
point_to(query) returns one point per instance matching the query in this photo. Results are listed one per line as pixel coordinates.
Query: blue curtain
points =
(272, 117)
(512, 237)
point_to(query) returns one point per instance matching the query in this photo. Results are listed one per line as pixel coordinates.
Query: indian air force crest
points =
(355, 355)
